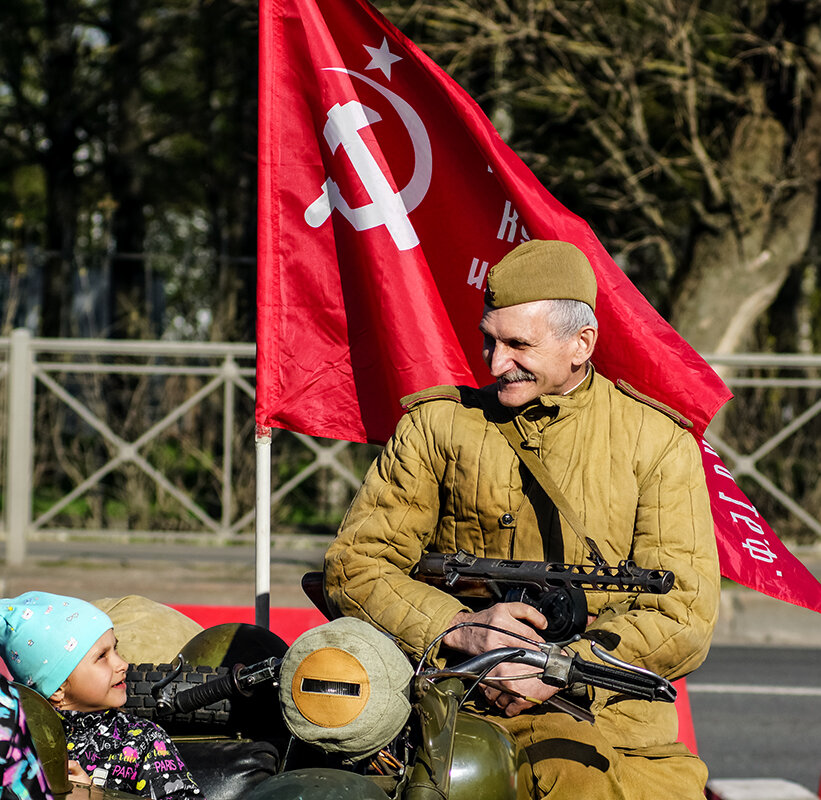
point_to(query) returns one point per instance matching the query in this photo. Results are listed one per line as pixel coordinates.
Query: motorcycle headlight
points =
(345, 686)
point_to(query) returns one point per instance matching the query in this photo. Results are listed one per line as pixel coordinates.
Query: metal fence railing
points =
(770, 437)
(146, 440)
(151, 440)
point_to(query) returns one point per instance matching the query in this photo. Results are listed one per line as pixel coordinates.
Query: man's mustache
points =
(517, 375)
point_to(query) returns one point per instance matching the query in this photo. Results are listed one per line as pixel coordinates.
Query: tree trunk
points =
(58, 165)
(131, 316)
(231, 196)
(738, 267)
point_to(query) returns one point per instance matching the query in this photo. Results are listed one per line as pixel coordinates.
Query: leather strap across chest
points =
(539, 471)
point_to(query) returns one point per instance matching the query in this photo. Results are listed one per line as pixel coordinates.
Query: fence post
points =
(18, 468)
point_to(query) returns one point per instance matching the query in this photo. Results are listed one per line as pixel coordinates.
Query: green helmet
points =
(232, 643)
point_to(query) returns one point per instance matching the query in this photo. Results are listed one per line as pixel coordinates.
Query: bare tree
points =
(687, 133)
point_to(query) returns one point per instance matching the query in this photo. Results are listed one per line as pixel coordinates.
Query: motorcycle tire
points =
(216, 717)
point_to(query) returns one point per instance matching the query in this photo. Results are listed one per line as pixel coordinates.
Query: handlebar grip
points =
(641, 684)
(212, 691)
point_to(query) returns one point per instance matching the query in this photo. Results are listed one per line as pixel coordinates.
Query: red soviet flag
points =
(384, 196)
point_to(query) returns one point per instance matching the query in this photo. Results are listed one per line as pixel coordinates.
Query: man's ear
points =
(58, 696)
(585, 344)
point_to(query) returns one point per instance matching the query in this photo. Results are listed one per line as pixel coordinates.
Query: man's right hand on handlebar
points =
(519, 618)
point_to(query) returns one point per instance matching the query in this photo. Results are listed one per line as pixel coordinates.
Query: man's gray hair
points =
(567, 317)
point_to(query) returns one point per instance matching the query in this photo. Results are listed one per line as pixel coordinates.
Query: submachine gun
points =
(555, 589)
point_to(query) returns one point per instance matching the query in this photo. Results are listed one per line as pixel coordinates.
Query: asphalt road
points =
(757, 713)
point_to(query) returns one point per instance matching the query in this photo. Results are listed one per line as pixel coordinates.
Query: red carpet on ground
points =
(287, 623)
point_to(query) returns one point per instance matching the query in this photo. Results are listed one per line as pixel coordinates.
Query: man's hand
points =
(518, 618)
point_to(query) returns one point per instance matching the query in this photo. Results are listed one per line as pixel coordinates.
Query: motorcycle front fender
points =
(487, 763)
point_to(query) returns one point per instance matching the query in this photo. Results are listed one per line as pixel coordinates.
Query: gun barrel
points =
(471, 574)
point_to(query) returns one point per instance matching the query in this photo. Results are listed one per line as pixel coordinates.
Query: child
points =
(65, 649)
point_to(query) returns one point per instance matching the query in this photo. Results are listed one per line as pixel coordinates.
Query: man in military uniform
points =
(449, 479)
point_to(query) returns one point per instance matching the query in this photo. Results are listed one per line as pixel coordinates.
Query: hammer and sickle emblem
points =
(387, 207)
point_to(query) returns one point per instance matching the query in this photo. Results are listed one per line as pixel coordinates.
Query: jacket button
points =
(506, 519)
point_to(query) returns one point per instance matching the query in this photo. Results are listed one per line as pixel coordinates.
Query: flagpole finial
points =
(262, 434)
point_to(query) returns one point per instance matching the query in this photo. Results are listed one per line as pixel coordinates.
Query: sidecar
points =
(242, 748)
(470, 757)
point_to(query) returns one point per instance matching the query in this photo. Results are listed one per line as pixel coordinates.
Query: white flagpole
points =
(262, 527)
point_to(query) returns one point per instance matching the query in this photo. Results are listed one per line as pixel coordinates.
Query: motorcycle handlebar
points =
(240, 680)
(492, 658)
(561, 669)
(221, 688)
(557, 667)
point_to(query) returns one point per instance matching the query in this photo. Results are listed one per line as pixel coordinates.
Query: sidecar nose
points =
(316, 784)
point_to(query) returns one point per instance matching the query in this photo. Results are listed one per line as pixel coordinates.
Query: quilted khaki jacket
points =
(449, 480)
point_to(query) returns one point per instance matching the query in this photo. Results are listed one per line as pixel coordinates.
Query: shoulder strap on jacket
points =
(433, 393)
(551, 488)
(674, 415)
(505, 423)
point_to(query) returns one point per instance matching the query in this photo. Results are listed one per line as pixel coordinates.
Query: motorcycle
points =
(345, 715)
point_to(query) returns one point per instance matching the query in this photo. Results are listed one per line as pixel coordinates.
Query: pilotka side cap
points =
(541, 270)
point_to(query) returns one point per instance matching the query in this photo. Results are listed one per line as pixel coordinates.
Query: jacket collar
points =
(548, 408)
(86, 720)
(545, 409)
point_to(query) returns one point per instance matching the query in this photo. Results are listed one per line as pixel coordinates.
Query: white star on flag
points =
(382, 58)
